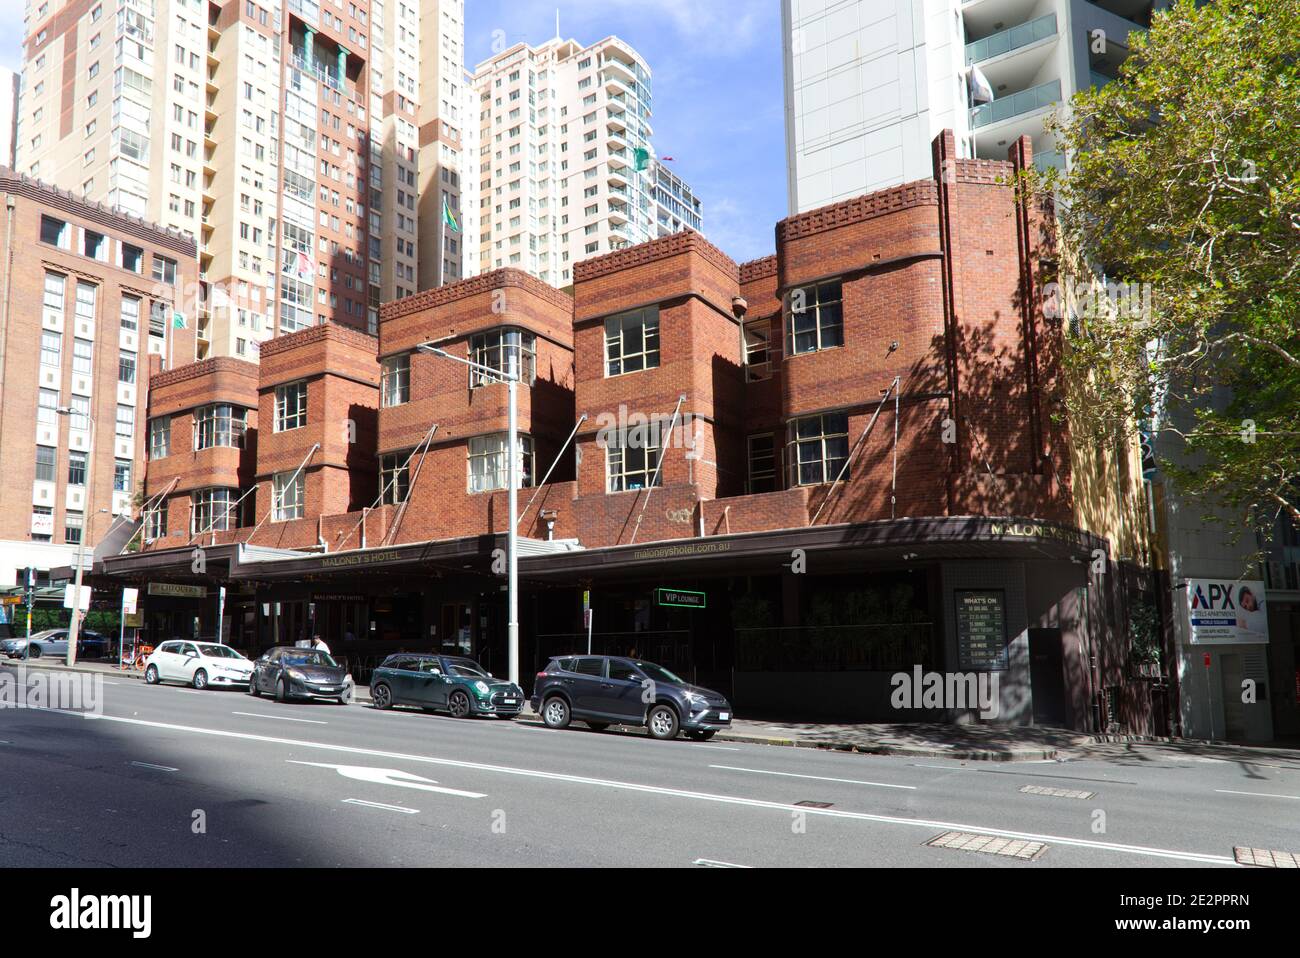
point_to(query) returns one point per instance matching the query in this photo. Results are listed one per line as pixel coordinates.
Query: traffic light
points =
(29, 584)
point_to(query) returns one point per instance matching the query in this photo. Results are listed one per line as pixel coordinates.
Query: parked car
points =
(51, 642)
(54, 643)
(200, 664)
(454, 684)
(288, 672)
(603, 690)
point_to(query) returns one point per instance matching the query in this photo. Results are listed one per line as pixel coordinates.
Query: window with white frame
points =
(155, 521)
(290, 406)
(130, 313)
(46, 463)
(488, 466)
(83, 354)
(817, 447)
(76, 468)
(51, 348)
(73, 523)
(47, 403)
(632, 458)
(632, 341)
(214, 510)
(160, 437)
(510, 352)
(121, 475)
(80, 418)
(126, 366)
(394, 477)
(219, 425)
(55, 285)
(125, 421)
(395, 385)
(815, 318)
(758, 350)
(86, 295)
(287, 495)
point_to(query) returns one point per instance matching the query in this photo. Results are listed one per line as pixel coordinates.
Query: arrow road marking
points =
(390, 776)
(388, 808)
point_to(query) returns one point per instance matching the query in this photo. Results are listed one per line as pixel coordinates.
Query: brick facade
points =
(938, 281)
(93, 254)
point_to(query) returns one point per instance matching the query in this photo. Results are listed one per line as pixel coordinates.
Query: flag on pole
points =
(981, 91)
(178, 321)
(447, 217)
(642, 159)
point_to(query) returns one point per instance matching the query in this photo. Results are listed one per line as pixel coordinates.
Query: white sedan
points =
(200, 664)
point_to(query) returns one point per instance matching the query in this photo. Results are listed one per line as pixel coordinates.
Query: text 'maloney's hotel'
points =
(860, 466)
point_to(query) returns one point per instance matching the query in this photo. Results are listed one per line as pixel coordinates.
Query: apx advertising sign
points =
(1226, 613)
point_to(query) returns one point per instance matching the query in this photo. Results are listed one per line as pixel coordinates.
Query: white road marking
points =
(388, 808)
(720, 748)
(783, 807)
(710, 863)
(281, 718)
(817, 778)
(161, 768)
(1228, 791)
(390, 776)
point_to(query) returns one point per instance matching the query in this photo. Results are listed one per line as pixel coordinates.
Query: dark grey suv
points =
(603, 690)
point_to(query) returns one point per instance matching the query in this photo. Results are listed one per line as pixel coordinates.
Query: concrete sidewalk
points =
(988, 743)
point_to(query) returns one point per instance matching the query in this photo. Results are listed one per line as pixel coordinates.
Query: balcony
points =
(1015, 38)
(1018, 104)
(1049, 160)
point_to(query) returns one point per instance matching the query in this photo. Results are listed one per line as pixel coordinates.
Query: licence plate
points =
(724, 716)
(509, 701)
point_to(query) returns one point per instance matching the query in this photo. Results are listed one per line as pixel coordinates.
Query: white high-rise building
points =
(8, 115)
(567, 170)
(870, 83)
(285, 135)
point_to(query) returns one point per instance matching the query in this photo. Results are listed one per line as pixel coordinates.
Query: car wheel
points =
(253, 690)
(458, 705)
(282, 691)
(555, 713)
(33, 651)
(702, 735)
(151, 675)
(662, 723)
(201, 680)
(346, 697)
(598, 726)
(382, 696)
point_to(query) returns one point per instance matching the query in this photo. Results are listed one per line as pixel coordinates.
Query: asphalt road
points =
(167, 776)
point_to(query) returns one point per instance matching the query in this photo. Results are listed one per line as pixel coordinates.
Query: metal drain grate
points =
(807, 804)
(1261, 858)
(1056, 792)
(990, 845)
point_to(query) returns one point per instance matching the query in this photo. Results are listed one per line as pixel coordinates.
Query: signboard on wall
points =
(981, 629)
(179, 591)
(681, 599)
(1226, 613)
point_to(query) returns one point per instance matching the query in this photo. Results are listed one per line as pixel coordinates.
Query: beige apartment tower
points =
(284, 135)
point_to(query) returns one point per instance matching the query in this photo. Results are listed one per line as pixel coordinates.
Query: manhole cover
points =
(814, 804)
(1056, 792)
(990, 845)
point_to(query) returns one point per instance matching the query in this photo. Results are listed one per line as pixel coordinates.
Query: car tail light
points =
(541, 675)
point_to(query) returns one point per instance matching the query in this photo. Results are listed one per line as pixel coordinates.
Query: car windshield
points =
(659, 674)
(467, 668)
(309, 657)
(219, 652)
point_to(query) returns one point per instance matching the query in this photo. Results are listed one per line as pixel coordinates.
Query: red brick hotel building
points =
(787, 479)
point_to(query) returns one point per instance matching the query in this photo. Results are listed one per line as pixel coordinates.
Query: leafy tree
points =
(1185, 183)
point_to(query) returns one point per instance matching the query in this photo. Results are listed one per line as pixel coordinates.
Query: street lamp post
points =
(512, 473)
(88, 517)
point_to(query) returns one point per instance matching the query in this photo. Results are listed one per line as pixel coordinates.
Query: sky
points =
(719, 101)
(718, 91)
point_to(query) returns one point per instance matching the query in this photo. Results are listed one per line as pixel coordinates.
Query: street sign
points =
(681, 599)
(133, 620)
(129, 599)
(11, 600)
(69, 591)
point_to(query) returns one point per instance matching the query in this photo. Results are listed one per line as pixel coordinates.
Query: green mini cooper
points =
(443, 683)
